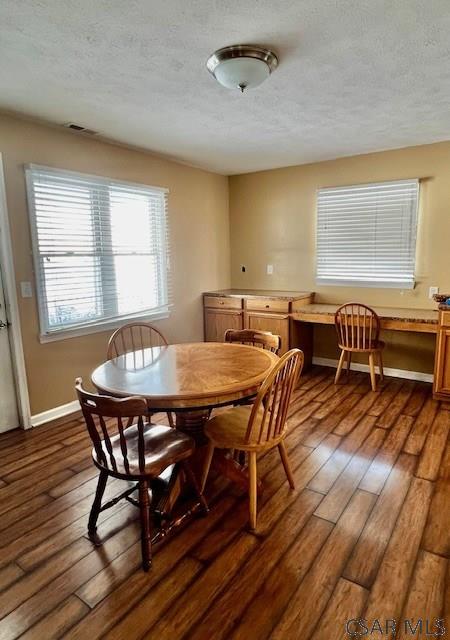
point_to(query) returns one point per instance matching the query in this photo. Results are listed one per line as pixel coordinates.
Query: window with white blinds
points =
(100, 249)
(366, 234)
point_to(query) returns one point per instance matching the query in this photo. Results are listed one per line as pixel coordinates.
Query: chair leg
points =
(207, 464)
(349, 362)
(186, 466)
(170, 418)
(339, 367)
(373, 378)
(286, 465)
(380, 364)
(144, 506)
(253, 488)
(97, 504)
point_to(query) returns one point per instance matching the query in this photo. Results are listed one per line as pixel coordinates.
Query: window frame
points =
(103, 324)
(386, 284)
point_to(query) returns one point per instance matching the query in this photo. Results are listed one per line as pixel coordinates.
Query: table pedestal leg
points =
(224, 463)
(172, 483)
(193, 424)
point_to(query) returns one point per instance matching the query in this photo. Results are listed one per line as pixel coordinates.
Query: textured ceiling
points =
(354, 75)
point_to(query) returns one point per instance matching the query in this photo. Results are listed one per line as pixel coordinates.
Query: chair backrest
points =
(107, 417)
(135, 336)
(357, 326)
(268, 416)
(263, 339)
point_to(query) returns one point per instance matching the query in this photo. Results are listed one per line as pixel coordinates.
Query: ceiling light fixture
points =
(241, 66)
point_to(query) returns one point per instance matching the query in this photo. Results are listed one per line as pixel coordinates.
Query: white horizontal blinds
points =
(100, 248)
(366, 234)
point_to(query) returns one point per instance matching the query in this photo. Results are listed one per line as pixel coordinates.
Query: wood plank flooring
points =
(366, 532)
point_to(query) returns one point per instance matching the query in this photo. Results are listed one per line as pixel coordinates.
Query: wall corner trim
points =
(396, 373)
(55, 413)
(12, 308)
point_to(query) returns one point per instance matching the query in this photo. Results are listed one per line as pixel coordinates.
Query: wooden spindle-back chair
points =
(136, 337)
(358, 331)
(128, 447)
(263, 339)
(259, 427)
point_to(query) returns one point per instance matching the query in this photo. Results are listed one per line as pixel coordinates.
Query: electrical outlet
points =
(269, 269)
(432, 291)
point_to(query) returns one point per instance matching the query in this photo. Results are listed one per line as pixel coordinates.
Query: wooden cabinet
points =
(253, 309)
(441, 387)
(218, 321)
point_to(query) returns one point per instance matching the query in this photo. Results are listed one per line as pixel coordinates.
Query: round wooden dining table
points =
(190, 380)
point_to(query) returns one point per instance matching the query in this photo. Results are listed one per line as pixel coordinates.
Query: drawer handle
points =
(221, 302)
(267, 306)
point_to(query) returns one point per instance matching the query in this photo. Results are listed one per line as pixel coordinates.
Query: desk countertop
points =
(259, 293)
(398, 314)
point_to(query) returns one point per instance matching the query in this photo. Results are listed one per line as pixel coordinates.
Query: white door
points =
(9, 418)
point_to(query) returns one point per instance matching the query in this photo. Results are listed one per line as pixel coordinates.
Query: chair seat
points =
(375, 345)
(227, 430)
(163, 446)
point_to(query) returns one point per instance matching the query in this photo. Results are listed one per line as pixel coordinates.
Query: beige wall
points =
(273, 218)
(270, 219)
(198, 215)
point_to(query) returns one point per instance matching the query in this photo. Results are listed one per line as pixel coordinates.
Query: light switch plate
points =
(26, 289)
(269, 269)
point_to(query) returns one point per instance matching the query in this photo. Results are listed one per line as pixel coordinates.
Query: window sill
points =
(327, 282)
(76, 332)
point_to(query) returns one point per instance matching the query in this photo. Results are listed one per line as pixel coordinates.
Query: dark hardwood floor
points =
(365, 534)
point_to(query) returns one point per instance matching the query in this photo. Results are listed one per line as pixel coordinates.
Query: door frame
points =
(12, 309)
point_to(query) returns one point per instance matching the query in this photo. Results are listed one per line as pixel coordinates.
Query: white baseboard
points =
(396, 373)
(53, 414)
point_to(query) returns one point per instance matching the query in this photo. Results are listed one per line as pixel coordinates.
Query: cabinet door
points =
(217, 322)
(277, 324)
(442, 365)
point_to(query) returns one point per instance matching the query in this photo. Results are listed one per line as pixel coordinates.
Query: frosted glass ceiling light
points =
(241, 66)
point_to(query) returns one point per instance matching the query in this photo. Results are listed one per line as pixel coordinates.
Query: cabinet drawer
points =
(214, 302)
(444, 318)
(267, 304)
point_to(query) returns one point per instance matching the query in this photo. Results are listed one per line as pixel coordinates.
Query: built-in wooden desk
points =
(293, 314)
(392, 318)
(397, 319)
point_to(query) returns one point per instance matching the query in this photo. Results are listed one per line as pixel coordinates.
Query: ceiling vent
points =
(80, 129)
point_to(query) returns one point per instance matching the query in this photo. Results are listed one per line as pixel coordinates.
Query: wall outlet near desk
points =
(270, 269)
(432, 291)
